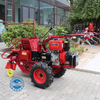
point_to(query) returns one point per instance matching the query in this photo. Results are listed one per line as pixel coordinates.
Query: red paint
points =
(56, 70)
(56, 44)
(10, 66)
(24, 55)
(54, 66)
(15, 50)
(63, 57)
(60, 36)
(91, 28)
(39, 76)
(34, 44)
(67, 66)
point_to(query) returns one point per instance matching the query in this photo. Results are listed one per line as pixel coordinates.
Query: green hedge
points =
(22, 31)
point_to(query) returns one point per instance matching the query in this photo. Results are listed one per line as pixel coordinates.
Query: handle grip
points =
(50, 28)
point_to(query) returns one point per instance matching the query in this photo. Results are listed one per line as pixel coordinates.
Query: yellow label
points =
(23, 53)
(65, 41)
(43, 56)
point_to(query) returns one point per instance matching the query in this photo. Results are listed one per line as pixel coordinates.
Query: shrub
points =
(72, 44)
(22, 31)
(74, 50)
(58, 30)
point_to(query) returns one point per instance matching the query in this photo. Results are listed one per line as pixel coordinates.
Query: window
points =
(2, 11)
(18, 1)
(59, 20)
(59, 11)
(9, 0)
(48, 10)
(17, 13)
(29, 3)
(36, 15)
(41, 17)
(32, 13)
(9, 12)
(41, 5)
(25, 13)
(36, 4)
(67, 13)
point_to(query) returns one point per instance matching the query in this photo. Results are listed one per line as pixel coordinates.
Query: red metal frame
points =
(25, 24)
(23, 56)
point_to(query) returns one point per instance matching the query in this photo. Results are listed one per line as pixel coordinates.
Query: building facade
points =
(44, 12)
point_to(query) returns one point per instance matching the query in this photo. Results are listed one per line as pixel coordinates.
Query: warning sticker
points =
(24, 53)
(65, 41)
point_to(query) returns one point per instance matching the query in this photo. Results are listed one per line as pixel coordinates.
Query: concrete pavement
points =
(94, 64)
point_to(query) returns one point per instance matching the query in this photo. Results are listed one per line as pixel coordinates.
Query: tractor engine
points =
(60, 54)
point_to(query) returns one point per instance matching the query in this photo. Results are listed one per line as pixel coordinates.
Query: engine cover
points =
(56, 44)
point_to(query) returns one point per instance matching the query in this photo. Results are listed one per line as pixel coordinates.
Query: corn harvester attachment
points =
(42, 63)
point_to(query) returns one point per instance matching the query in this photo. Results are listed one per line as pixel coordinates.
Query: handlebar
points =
(46, 33)
(10, 48)
(15, 42)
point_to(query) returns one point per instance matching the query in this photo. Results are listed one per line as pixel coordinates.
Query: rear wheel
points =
(41, 75)
(58, 72)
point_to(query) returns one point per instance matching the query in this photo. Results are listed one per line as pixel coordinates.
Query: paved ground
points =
(89, 60)
(74, 85)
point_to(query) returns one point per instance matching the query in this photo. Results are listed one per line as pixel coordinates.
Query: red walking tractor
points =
(34, 58)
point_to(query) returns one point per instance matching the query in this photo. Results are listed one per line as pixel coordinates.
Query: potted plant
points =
(74, 50)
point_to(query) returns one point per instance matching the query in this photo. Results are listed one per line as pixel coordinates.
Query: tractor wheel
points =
(10, 72)
(41, 75)
(58, 72)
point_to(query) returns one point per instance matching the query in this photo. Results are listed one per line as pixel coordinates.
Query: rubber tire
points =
(10, 72)
(61, 73)
(48, 71)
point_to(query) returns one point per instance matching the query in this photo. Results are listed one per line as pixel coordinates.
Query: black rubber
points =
(61, 73)
(48, 71)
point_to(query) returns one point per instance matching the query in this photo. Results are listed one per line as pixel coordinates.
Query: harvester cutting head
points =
(42, 63)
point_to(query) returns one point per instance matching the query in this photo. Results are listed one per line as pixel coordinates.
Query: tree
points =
(85, 11)
(71, 3)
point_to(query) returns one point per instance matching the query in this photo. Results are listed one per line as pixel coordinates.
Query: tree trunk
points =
(71, 7)
(98, 26)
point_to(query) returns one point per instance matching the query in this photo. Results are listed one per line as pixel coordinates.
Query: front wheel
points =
(41, 75)
(58, 72)
(10, 72)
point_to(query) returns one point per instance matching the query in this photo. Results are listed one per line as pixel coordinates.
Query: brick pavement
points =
(74, 85)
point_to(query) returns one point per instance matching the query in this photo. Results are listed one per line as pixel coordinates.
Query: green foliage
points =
(82, 48)
(22, 31)
(62, 30)
(85, 11)
(74, 50)
(72, 44)
(68, 29)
